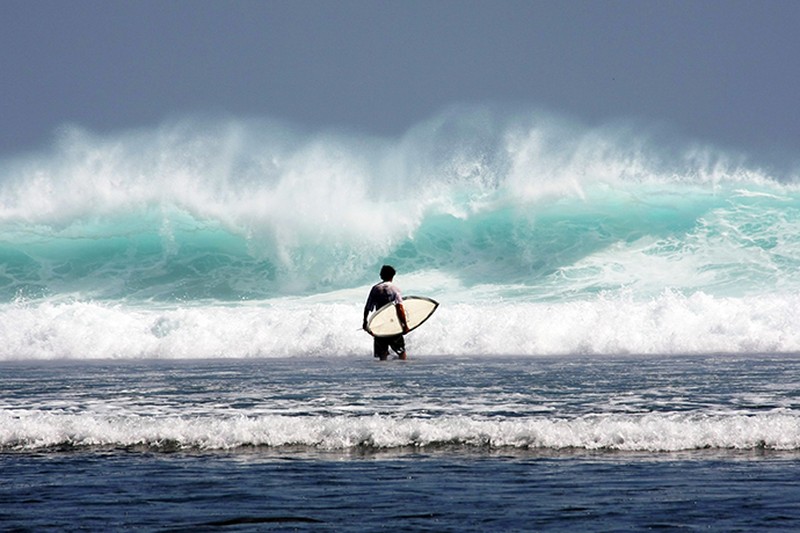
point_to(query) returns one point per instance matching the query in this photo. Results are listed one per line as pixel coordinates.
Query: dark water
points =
(433, 444)
(425, 492)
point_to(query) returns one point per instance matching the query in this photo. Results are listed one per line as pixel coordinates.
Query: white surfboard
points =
(385, 323)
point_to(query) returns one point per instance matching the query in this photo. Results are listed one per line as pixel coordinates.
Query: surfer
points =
(381, 294)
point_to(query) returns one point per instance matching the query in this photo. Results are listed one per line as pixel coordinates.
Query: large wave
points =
(152, 233)
(235, 210)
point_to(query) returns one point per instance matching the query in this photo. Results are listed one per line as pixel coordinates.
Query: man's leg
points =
(398, 344)
(381, 348)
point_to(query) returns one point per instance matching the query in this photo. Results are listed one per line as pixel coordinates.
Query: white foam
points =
(31, 430)
(668, 324)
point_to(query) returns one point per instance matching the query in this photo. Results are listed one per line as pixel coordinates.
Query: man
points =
(381, 294)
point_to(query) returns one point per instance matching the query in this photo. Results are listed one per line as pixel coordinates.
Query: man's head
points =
(387, 273)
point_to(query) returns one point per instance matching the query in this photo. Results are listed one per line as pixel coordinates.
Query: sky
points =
(722, 72)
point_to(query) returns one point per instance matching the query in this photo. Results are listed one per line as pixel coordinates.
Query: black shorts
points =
(382, 345)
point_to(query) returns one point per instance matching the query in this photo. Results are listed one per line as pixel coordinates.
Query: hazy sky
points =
(726, 72)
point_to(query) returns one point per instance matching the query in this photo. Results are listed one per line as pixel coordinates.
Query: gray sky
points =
(725, 72)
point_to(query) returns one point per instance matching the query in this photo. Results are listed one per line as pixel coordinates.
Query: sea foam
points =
(668, 324)
(645, 432)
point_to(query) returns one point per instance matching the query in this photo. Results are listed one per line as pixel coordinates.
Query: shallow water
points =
(437, 444)
(613, 403)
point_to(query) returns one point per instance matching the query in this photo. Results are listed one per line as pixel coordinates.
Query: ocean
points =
(180, 343)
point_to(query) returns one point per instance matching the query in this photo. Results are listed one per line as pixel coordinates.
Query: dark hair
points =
(387, 273)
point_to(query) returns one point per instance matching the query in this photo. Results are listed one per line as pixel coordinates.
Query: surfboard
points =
(384, 323)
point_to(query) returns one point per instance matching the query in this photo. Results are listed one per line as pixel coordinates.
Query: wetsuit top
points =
(382, 294)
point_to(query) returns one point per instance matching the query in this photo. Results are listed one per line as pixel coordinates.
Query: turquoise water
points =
(732, 239)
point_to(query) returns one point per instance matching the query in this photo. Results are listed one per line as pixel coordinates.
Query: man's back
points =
(382, 294)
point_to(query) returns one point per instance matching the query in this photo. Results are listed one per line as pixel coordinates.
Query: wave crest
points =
(247, 210)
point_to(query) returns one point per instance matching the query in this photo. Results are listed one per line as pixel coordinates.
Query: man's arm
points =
(401, 314)
(366, 313)
(368, 306)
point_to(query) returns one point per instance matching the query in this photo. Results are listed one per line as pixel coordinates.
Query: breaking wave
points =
(253, 238)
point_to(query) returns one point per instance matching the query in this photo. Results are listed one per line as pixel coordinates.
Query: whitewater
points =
(254, 238)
